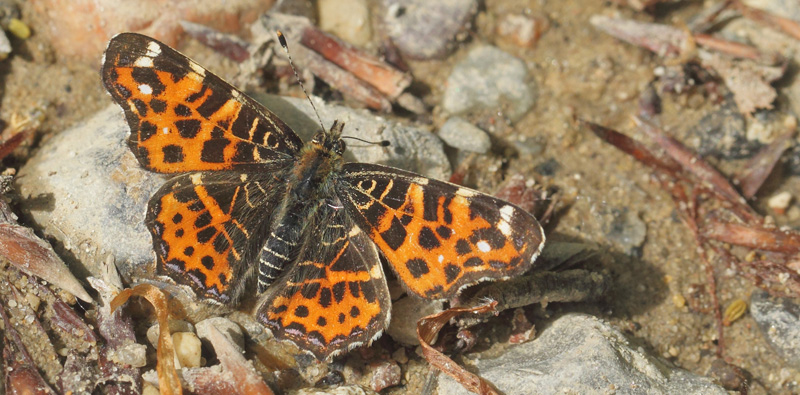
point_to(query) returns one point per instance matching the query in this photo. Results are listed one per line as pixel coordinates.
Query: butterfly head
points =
(330, 141)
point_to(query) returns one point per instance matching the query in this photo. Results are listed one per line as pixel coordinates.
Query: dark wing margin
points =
(334, 298)
(184, 118)
(206, 227)
(438, 237)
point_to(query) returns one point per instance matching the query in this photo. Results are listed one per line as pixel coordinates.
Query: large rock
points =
(580, 354)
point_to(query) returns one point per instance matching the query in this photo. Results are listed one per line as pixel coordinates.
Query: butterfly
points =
(250, 202)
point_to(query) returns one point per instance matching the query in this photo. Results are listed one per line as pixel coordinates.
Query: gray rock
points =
(423, 29)
(580, 354)
(489, 79)
(458, 133)
(85, 189)
(225, 326)
(625, 229)
(779, 322)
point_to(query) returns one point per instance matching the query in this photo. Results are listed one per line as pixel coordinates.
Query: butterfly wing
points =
(184, 118)
(207, 226)
(438, 237)
(334, 297)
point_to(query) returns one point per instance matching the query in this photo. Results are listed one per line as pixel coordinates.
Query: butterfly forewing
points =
(438, 237)
(335, 296)
(205, 227)
(184, 118)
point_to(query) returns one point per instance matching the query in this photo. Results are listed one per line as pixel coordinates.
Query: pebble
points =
(385, 374)
(225, 326)
(347, 19)
(400, 355)
(60, 184)
(188, 349)
(582, 354)
(422, 29)
(174, 326)
(626, 230)
(488, 80)
(521, 30)
(405, 314)
(458, 133)
(779, 202)
(779, 322)
(722, 133)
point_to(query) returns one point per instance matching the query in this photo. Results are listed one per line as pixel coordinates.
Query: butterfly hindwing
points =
(184, 118)
(438, 237)
(334, 297)
(205, 227)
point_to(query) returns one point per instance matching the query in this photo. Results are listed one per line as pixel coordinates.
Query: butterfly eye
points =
(340, 147)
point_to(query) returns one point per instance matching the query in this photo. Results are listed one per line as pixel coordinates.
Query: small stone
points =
(400, 355)
(347, 19)
(385, 374)
(626, 230)
(521, 30)
(779, 322)
(150, 389)
(422, 29)
(405, 314)
(225, 326)
(132, 354)
(678, 300)
(581, 354)
(340, 390)
(188, 349)
(174, 326)
(779, 202)
(458, 133)
(489, 80)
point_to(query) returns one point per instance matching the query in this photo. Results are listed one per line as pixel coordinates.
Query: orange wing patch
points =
(202, 227)
(184, 118)
(335, 297)
(439, 237)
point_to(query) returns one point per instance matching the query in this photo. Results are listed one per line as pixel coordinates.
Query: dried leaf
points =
(427, 330)
(748, 81)
(168, 380)
(244, 378)
(753, 236)
(692, 163)
(34, 256)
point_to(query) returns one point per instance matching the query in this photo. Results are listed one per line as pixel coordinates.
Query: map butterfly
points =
(251, 203)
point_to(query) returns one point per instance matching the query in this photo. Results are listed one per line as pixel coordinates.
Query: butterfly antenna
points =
(282, 40)
(382, 143)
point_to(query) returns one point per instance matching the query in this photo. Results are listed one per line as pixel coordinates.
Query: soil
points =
(579, 72)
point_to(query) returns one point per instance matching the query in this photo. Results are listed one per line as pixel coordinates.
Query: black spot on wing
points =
(188, 128)
(146, 130)
(172, 153)
(158, 106)
(417, 267)
(395, 236)
(427, 239)
(205, 235)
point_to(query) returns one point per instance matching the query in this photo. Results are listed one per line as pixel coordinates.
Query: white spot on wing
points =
(441, 258)
(507, 212)
(143, 61)
(464, 192)
(196, 178)
(504, 228)
(165, 130)
(197, 68)
(145, 89)
(153, 49)
(484, 246)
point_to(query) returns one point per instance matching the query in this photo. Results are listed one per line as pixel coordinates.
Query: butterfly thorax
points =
(308, 187)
